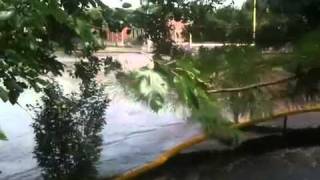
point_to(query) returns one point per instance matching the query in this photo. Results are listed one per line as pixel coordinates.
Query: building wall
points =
(177, 29)
(120, 38)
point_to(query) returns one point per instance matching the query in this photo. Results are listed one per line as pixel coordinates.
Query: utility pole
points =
(254, 27)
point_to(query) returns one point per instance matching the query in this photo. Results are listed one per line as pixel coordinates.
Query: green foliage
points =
(226, 24)
(126, 5)
(31, 30)
(284, 21)
(110, 65)
(146, 86)
(67, 132)
(2, 136)
(87, 70)
(278, 22)
(156, 14)
(117, 18)
(67, 128)
(229, 67)
(189, 78)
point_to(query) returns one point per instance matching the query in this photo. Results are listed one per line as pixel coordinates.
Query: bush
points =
(67, 132)
(67, 127)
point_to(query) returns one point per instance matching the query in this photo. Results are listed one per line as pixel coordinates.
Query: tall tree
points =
(226, 24)
(284, 21)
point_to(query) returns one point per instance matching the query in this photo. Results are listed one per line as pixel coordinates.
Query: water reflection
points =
(67, 133)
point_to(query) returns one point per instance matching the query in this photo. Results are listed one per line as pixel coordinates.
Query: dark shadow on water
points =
(250, 160)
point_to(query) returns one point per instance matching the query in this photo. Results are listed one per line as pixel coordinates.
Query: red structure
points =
(177, 29)
(121, 38)
(128, 34)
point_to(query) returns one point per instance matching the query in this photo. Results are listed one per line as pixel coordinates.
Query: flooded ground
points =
(133, 135)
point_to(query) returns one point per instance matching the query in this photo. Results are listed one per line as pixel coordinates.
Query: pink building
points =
(128, 34)
(177, 29)
(118, 37)
(121, 38)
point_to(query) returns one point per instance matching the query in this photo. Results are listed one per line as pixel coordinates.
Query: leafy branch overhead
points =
(219, 86)
(32, 30)
(223, 85)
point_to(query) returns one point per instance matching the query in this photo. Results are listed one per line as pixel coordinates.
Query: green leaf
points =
(41, 81)
(12, 84)
(83, 29)
(13, 96)
(126, 5)
(193, 98)
(4, 94)
(155, 101)
(3, 137)
(57, 12)
(5, 15)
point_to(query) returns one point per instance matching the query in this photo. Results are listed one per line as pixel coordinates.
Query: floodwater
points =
(132, 136)
(135, 135)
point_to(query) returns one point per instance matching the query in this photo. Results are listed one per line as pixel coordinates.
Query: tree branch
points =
(252, 86)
